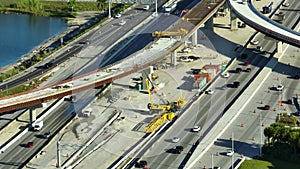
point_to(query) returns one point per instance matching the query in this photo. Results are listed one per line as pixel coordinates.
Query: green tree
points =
(269, 132)
(102, 4)
(294, 140)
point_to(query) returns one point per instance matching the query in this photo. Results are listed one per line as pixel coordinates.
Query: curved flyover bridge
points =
(102, 76)
(245, 11)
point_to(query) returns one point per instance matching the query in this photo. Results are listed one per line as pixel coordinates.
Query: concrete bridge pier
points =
(233, 21)
(173, 58)
(32, 112)
(195, 38)
(279, 46)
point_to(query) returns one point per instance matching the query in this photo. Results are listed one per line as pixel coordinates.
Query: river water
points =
(20, 33)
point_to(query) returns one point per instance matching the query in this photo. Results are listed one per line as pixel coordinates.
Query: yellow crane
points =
(180, 32)
(174, 106)
(153, 106)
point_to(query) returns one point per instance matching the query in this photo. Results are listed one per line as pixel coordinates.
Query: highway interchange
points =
(207, 110)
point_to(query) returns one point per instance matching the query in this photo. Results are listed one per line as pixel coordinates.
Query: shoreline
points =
(79, 20)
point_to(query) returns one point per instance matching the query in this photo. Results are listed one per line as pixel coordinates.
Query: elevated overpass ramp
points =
(247, 13)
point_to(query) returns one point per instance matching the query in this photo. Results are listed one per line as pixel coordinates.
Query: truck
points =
(37, 125)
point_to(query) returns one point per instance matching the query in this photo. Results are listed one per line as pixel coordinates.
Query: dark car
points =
(193, 57)
(289, 101)
(236, 84)
(29, 144)
(48, 65)
(238, 70)
(244, 56)
(267, 107)
(180, 148)
(297, 76)
(196, 71)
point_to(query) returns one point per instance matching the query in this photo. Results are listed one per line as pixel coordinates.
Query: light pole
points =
(109, 11)
(156, 14)
(260, 147)
(212, 160)
(232, 149)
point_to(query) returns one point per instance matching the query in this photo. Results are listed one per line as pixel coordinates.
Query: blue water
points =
(19, 34)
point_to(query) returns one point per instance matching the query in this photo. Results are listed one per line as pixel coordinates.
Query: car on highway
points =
(267, 107)
(248, 69)
(289, 101)
(244, 56)
(140, 164)
(286, 4)
(46, 135)
(175, 139)
(185, 59)
(297, 76)
(210, 92)
(258, 48)
(29, 144)
(238, 70)
(48, 65)
(193, 57)
(186, 50)
(196, 128)
(226, 75)
(123, 22)
(246, 63)
(236, 84)
(229, 152)
(196, 71)
(118, 15)
(280, 87)
(255, 42)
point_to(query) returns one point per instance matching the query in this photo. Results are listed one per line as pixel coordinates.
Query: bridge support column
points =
(279, 46)
(194, 38)
(173, 58)
(32, 114)
(233, 21)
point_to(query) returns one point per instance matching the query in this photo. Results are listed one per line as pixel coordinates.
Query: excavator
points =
(180, 32)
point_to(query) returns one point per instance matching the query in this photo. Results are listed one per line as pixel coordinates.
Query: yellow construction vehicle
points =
(158, 121)
(180, 32)
(151, 105)
(174, 106)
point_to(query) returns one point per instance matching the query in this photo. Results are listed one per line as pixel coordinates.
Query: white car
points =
(286, 4)
(226, 75)
(175, 139)
(255, 42)
(196, 128)
(229, 152)
(118, 15)
(280, 87)
(210, 92)
(186, 50)
(122, 22)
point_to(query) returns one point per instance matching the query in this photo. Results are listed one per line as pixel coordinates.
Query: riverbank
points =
(80, 19)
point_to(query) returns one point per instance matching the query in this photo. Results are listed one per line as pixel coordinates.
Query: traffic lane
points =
(207, 113)
(251, 123)
(54, 122)
(142, 39)
(18, 153)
